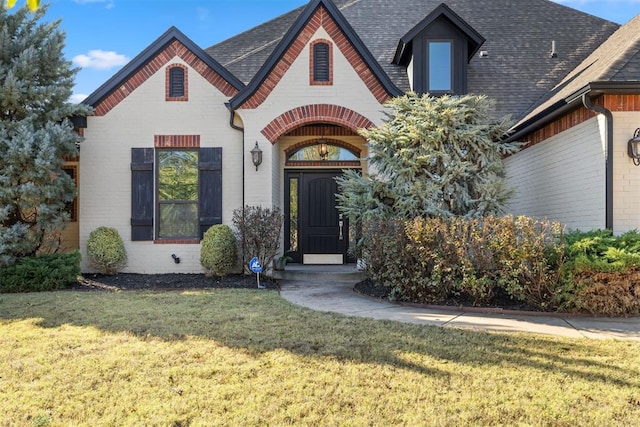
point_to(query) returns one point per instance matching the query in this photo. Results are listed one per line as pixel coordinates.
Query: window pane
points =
(177, 175)
(293, 214)
(311, 153)
(178, 220)
(439, 66)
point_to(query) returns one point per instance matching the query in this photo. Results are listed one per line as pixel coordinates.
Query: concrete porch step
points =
(347, 273)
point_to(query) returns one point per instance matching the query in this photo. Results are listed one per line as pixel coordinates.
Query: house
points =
(168, 152)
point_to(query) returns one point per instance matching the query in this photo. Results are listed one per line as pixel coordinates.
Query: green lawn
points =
(233, 357)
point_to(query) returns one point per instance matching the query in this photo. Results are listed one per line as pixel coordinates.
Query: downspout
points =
(232, 116)
(586, 101)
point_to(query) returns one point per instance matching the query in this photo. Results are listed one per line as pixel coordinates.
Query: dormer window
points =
(440, 73)
(320, 64)
(437, 51)
(177, 83)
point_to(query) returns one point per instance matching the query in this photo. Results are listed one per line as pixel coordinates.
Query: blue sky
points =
(102, 35)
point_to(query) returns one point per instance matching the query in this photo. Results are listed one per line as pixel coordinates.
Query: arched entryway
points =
(316, 144)
(312, 157)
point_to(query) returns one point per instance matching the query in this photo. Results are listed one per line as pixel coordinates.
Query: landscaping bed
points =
(132, 281)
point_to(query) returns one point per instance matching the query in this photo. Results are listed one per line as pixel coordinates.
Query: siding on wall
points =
(106, 158)
(626, 181)
(562, 178)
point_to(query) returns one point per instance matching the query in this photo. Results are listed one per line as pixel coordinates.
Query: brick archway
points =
(317, 113)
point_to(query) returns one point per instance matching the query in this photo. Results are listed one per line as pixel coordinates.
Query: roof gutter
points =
(232, 116)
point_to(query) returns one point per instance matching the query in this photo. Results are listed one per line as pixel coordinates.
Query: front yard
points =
(243, 357)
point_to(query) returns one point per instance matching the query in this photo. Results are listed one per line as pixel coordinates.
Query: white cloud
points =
(77, 98)
(100, 59)
(109, 3)
(203, 14)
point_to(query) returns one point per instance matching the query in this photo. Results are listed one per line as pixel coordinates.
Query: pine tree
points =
(432, 157)
(35, 131)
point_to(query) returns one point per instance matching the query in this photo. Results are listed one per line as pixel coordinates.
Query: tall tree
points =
(35, 131)
(432, 157)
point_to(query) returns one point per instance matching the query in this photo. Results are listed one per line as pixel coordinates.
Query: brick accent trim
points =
(323, 113)
(295, 147)
(321, 18)
(313, 82)
(150, 68)
(326, 164)
(177, 242)
(616, 103)
(167, 83)
(176, 141)
(311, 130)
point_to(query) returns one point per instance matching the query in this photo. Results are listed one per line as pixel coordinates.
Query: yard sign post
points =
(255, 266)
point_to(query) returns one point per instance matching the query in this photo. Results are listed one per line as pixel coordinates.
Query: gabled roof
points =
(147, 55)
(289, 38)
(517, 72)
(615, 66)
(475, 40)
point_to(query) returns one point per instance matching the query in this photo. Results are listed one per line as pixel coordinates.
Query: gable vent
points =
(176, 82)
(321, 62)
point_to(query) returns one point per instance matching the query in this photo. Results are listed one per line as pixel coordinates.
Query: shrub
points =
(106, 250)
(258, 233)
(41, 273)
(614, 293)
(517, 256)
(219, 253)
(390, 260)
(428, 260)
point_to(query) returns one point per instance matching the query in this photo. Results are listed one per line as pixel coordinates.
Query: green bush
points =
(602, 272)
(258, 234)
(428, 260)
(106, 250)
(390, 260)
(219, 253)
(41, 273)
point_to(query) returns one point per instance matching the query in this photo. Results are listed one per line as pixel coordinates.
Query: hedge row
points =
(526, 260)
(41, 273)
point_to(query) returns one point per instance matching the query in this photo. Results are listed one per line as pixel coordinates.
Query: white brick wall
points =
(562, 178)
(105, 174)
(626, 182)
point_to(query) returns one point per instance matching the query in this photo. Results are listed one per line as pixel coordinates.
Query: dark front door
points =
(316, 232)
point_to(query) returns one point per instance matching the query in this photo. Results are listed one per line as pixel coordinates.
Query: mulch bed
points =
(131, 281)
(499, 301)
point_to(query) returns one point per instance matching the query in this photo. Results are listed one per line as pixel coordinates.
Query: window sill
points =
(177, 242)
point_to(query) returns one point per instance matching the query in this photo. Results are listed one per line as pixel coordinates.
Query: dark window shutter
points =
(321, 62)
(210, 197)
(176, 82)
(142, 193)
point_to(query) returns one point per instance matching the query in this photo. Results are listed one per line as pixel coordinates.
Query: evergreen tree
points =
(35, 132)
(432, 157)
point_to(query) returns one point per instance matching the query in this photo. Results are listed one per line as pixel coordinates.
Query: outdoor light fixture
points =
(633, 147)
(323, 150)
(256, 156)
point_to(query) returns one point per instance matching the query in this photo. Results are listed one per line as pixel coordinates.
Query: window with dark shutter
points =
(210, 197)
(321, 62)
(176, 82)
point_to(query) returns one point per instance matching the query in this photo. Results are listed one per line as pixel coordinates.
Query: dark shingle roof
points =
(518, 72)
(615, 60)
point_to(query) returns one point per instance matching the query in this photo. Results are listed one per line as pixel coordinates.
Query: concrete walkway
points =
(339, 297)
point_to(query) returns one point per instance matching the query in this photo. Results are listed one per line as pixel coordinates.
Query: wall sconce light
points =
(633, 147)
(176, 258)
(256, 156)
(323, 149)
